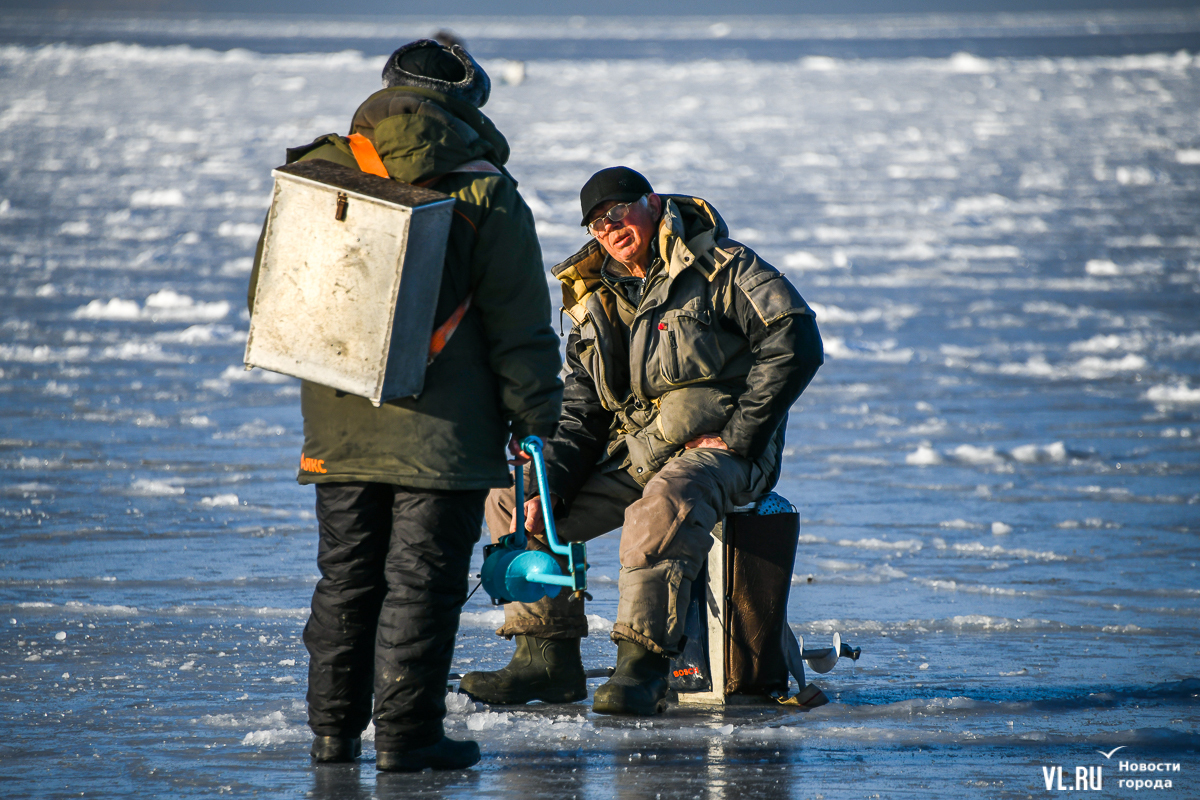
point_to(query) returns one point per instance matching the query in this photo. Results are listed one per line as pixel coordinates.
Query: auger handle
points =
(519, 511)
(532, 445)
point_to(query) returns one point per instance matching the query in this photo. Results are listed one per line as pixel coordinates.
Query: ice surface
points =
(923, 456)
(996, 467)
(1176, 393)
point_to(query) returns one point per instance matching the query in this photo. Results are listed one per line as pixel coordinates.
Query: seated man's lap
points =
(598, 508)
(671, 517)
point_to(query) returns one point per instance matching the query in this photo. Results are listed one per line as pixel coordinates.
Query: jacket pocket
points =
(648, 452)
(684, 414)
(691, 351)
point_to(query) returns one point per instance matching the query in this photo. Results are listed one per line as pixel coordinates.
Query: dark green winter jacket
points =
(499, 373)
(718, 342)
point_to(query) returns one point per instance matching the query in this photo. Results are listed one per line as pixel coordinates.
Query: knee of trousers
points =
(653, 605)
(498, 511)
(558, 617)
(673, 520)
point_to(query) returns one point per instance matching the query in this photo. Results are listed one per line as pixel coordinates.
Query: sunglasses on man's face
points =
(613, 215)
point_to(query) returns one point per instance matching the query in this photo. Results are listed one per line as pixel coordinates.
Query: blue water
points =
(997, 467)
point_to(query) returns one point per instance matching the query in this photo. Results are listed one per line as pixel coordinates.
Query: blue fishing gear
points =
(512, 573)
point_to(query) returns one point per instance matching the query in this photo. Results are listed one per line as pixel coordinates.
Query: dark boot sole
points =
(627, 711)
(621, 706)
(335, 750)
(415, 762)
(502, 699)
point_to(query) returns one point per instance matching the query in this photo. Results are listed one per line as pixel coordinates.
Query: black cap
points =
(615, 183)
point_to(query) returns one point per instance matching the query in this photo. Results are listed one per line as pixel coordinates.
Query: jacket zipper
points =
(674, 350)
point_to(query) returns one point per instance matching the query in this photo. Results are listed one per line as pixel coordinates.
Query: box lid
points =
(352, 180)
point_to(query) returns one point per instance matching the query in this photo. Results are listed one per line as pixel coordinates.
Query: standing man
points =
(686, 353)
(400, 488)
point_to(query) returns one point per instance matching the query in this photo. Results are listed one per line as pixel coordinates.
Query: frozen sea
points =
(998, 467)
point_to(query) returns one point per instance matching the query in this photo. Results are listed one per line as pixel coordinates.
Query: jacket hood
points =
(687, 239)
(473, 88)
(422, 133)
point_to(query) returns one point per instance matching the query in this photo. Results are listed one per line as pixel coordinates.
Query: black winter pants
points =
(394, 564)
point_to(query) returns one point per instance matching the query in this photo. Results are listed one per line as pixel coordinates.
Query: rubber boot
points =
(335, 749)
(444, 754)
(550, 670)
(639, 684)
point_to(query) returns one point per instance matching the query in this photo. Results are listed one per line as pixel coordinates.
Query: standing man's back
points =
(400, 488)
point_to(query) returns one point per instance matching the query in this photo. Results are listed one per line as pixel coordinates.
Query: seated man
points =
(686, 353)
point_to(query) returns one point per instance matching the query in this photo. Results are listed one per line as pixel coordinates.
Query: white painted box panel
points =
(348, 281)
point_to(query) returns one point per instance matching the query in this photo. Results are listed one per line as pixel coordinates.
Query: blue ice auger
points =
(512, 573)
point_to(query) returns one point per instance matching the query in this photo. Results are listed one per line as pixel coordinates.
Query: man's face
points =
(628, 241)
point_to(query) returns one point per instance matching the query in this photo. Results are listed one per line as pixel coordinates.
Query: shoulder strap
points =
(441, 335)
(369, 161)
(366, 156)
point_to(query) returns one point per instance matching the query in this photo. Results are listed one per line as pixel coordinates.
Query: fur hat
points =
(428, 65)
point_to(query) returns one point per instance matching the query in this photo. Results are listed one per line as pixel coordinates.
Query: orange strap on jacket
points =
(364, 153)
(369, 161)
(441, 336)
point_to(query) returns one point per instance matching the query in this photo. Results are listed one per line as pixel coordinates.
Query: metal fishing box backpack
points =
(348, 280)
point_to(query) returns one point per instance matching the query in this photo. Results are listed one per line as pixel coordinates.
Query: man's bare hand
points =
(710, 440)
(534, 522)
(519, 456)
